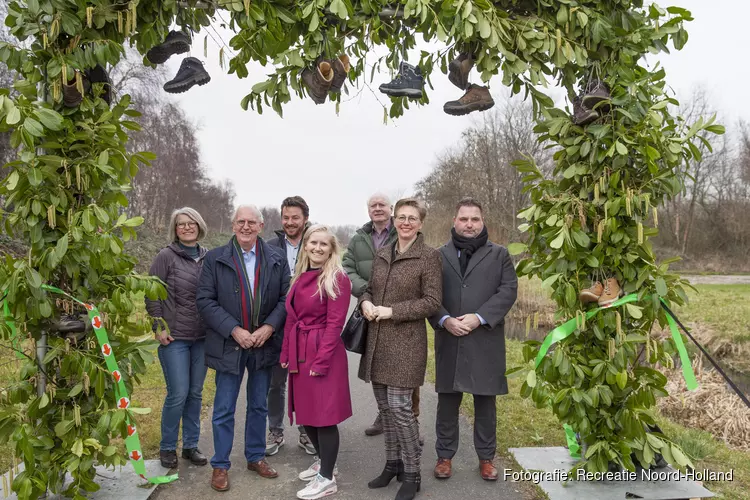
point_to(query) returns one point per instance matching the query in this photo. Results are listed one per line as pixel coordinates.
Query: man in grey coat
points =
(479, 288)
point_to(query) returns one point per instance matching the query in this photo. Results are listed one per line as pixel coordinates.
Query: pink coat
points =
(313, 331)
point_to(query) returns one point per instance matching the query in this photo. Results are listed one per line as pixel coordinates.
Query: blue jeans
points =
(183, 364)
(225, 404)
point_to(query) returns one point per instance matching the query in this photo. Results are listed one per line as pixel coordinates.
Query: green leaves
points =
(516, 248)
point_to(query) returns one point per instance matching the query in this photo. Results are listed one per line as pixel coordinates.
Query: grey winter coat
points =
(475, 363)
(359, 256)
(181, 274)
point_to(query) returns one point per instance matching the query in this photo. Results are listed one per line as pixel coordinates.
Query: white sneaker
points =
(319, 487)
(314, 470)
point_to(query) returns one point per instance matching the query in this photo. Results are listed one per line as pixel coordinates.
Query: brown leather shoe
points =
(488, 470)
(443, 468)
(263, 469)
(220, 480)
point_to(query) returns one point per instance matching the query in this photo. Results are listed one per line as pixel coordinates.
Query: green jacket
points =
(360, 254)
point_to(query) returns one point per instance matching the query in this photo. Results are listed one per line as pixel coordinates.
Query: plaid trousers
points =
(400, 427)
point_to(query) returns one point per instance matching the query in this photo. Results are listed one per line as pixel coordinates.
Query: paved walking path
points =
(360, 459)
(718, 279)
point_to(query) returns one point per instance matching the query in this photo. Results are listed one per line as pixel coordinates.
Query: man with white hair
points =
(241, 298)
(360, 253)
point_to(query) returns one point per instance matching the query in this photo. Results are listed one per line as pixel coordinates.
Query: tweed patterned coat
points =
(412, 285)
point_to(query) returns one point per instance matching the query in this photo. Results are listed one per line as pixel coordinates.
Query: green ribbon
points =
(132, 441)
(566, 329)
(573, 447)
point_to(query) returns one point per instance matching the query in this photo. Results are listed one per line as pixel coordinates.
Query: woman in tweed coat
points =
(404, 289)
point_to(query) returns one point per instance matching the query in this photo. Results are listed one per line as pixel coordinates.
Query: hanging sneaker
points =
(99, 75)
(319, 487)
(459, 69)
(592, 293)
(318, 81)
(191, 73)
(611, 292)
(341, 68)
(408, 83)
(176, 42)
(581, 114)
(476, 98)
(274, 442)
(305, 443)
(314, 470)
(596, 92)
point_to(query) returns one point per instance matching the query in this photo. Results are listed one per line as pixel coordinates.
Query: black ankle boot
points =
(393, 468)
(411, 485)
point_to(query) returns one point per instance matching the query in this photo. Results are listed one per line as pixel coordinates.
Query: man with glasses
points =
(360, 253)
(241, 299)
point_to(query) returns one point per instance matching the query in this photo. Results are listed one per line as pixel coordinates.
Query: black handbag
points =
(354, 334)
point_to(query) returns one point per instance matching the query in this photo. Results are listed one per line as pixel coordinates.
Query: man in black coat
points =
(241, 299)
(294, 220)
(479, 289)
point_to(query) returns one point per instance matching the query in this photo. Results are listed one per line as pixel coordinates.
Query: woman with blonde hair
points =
(318, 390)
(179, 330)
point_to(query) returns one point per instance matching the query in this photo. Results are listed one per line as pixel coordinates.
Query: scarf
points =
(468, 246)
(251, 326)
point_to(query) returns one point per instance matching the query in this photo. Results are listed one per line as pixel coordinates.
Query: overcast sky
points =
(336, 162)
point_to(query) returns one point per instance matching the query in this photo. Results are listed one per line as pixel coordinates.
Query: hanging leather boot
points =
(459, 69)
(191, 73)
(318, 81)
(175, 43)
(341, 68)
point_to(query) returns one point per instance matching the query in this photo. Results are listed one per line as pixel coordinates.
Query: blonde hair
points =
(193, 214)
(327, 281)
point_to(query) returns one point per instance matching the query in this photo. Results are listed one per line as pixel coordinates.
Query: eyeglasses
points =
(186, 225)
(411, 220)
(243, 223)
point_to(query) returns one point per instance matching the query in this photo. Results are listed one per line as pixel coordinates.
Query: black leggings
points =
(326, 443)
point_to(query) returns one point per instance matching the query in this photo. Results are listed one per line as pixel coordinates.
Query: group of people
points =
(276, 309)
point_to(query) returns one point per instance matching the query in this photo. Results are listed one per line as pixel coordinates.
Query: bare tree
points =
(480, 166)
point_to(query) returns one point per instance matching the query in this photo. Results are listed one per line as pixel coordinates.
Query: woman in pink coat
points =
(316, 305)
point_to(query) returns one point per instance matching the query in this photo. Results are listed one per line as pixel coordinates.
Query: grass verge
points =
(521, 424)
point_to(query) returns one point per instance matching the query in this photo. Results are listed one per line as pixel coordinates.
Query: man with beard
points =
(479, 288)
(360, 253)
(294, 220)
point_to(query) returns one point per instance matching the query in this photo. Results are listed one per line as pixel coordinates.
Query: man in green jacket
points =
(360, 253)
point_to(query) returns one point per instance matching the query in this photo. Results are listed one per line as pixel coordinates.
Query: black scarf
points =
(468, 246)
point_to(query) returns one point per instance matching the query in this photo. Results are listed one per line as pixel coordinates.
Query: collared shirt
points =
(379, 238)
(442, 320)
(249, 258)
(291, 254)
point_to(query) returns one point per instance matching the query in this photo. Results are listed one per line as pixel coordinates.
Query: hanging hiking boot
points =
(596, 92)
(610, 293)
(72, 97)
(175, 43)
(191, 73)
(459, 69)
(341, 68)
(592, 293)
(476, 98)
(99, 75)
(376, 428)
(408, 83)
(318, 81)
(581, 114)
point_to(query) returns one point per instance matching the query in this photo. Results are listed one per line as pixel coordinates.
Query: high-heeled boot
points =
(393, 468)
(410, 486)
